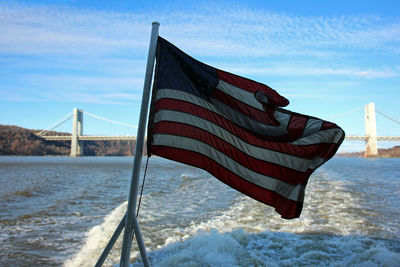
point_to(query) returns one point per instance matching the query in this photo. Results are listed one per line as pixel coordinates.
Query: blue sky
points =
(326, 57)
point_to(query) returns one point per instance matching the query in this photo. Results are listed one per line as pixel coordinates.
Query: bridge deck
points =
(133, 138)
(91, 138)
(379, 138)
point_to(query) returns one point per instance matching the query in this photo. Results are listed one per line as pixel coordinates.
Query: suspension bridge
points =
(371, 137)
(76, 136)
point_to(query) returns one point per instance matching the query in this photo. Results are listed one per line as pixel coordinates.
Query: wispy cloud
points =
(261, 33)
(38, 29)
(17, 94)
(301, 70)
(223, 30)
(100, 56)
(90, 83)
(98, 98)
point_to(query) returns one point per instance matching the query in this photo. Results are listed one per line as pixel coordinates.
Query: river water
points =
(57, 211)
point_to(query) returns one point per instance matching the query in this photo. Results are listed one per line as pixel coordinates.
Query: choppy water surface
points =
(58, 211)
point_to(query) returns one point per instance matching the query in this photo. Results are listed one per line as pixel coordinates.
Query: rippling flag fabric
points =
(235, 129)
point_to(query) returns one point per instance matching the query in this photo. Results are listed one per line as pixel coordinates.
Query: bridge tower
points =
(77, 131)
(371, 142)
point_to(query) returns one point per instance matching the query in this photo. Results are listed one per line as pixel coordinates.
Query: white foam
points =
(239, 248)
(205, 249)
(97, 239)
(375, 256)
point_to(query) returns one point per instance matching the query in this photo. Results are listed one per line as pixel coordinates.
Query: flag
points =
(236, 129)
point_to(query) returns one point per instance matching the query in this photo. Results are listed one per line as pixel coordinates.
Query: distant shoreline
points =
(18, 141)
(393, 152)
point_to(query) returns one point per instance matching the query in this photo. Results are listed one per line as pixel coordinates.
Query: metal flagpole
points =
(111, 242)
(131, 223)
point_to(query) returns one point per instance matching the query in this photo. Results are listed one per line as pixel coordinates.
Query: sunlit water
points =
(62, 211)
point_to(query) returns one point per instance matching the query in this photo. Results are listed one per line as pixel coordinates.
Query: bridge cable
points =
(55, 125)
(386, 116)
(344, 113)
(115, 122)
(141, 191)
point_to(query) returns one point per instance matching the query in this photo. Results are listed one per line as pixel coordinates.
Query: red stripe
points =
(253, 86)
(247, 110)
(308, 152)
(288, 209)
(296, 126)
(328, 125)
(260, 166)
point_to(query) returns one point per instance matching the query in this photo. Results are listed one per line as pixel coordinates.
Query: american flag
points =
(236, 129)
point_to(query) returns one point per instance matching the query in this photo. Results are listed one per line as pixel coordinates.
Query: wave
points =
(97, 239)
(239, 248)
(332, 231)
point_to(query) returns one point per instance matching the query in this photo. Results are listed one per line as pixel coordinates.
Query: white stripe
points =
(230, 113)
(333, 135)
(181, 95)
(250, 124)
(293, 192)
(248, 98)
(312, 126)
(239, 94)
(289, 161)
